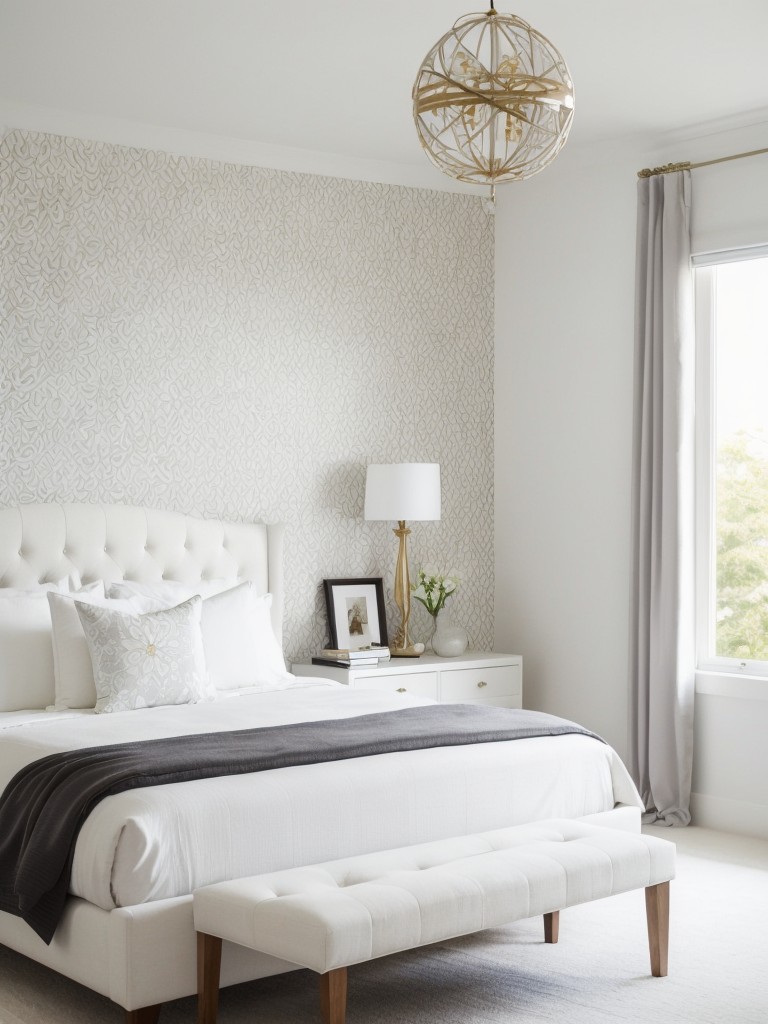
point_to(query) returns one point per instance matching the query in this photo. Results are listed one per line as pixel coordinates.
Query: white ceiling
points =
(334, 76)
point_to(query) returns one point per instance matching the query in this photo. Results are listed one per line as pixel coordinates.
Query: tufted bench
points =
(329, 916)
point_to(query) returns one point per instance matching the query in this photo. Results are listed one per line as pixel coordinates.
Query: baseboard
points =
(740, 816)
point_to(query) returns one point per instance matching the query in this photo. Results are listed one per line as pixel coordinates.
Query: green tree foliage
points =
(742, 548)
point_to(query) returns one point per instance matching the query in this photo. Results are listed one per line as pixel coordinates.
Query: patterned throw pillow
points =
(143, 661)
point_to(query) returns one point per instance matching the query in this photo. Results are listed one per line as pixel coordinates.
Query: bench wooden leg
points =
(146, 1015)
(333, 996)
(208, 971)
(552, 926)
(657, 911)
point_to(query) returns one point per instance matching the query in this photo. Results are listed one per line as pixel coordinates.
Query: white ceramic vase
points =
(448, 639)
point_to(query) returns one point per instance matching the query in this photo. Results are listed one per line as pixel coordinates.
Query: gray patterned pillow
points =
(143, 661)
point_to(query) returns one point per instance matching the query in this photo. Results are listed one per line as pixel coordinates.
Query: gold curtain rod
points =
(686, 165)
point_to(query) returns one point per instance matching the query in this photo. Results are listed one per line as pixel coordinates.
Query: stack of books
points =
(363, 657)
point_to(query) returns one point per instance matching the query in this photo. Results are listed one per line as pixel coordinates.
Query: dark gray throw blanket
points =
(46, 803)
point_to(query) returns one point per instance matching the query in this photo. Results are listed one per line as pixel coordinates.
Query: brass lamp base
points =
(405, 652)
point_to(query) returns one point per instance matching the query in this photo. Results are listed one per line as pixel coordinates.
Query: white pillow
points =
(144, 661)
(241, 649)
(26, 655)
(170, 591)
(26, 651)
(72, 583)
(73, 672)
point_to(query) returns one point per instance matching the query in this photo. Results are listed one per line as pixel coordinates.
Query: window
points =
(732, 460)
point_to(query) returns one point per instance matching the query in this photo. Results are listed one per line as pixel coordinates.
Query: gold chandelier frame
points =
(493, 100)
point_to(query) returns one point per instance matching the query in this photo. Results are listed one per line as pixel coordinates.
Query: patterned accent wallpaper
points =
(238, 343)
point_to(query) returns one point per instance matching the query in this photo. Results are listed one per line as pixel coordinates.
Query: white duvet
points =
(149, 844)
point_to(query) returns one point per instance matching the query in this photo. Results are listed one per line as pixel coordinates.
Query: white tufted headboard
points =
(41, 542)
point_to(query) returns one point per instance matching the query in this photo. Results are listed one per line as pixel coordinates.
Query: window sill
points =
(725, 684)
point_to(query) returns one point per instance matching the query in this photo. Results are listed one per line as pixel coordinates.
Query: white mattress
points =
(149, 844)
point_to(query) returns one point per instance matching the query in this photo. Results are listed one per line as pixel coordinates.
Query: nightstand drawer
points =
(423, 684)
(505, 701)
(476, 683)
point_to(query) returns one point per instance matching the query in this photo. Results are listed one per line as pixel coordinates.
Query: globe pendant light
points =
(493, 100)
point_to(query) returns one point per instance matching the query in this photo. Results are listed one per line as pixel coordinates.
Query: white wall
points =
(564, 362)
(564, 287)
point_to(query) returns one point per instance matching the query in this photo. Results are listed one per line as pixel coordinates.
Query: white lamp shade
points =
(403, 490)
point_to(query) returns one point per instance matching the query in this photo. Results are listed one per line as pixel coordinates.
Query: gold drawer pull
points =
(481, 683)
(401, 689)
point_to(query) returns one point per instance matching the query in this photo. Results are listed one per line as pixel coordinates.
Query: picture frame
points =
(356, 615)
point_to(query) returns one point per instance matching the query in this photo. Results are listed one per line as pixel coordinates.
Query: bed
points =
(127, 929)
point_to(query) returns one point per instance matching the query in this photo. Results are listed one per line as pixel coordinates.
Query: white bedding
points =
(164, 841)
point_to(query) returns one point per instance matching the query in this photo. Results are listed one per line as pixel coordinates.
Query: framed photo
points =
(355, 613)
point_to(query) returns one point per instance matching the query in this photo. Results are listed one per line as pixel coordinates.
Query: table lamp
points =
(401, 491)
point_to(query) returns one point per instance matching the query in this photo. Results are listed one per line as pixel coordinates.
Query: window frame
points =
(704, 266)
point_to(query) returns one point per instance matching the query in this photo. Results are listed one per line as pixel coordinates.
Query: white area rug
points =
(597, 973)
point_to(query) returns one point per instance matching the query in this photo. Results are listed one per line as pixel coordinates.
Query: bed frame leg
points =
(552, 926)
(657, 912)
(146, 1015)
(208, 976)
(333, 996)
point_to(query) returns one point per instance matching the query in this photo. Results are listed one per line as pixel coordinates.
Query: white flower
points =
(434, 588)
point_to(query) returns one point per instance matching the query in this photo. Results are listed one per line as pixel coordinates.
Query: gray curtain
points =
(662, 606)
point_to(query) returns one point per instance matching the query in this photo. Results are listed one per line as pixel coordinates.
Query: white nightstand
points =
(477, 677)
